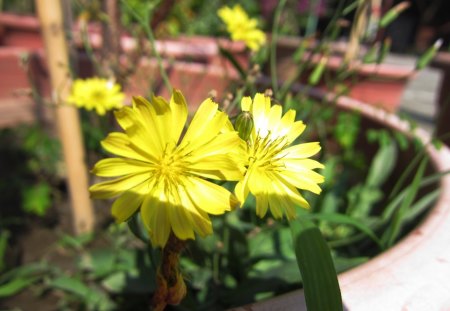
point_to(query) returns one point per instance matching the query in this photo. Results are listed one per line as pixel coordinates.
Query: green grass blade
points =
(225, 53)
(398, 185)
(322, 292)
(422, 205)
(16, 285)
(393, 231)
(395, 202)
(347, 220)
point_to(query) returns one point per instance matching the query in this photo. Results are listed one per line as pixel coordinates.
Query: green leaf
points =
(4, 236)
(100, 262)
(16, 285)
(24, 272)
(421, 205)
(393, 231)
(322, 292)
(76, 242)
(71, 285)
(37, 199)
(344, 219)
(234, 62)
(382, 165)
(93, 298)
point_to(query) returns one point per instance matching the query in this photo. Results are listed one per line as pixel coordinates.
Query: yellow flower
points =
(163, 173)
(241, 27)
(275, 168)
(96, 93)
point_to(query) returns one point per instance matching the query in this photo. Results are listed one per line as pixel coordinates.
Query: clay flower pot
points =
(413, 274)
(194, 65)
(381, 85)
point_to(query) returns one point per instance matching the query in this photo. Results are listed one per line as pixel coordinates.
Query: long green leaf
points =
(344, 219)
(394, 229)
(234, 62)
(322, 292)
(422, 204)
(382, 165)
(395, 202)
(16, 285)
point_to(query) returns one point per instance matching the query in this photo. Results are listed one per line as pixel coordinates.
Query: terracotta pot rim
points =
(26, 22)
(412, 274)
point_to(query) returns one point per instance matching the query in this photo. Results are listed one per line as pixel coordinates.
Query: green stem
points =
(145, 23)
(273, 45)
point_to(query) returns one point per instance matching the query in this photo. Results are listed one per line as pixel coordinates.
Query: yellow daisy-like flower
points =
(163, 173)
(275, 168)
(241, 27)
(96, 93)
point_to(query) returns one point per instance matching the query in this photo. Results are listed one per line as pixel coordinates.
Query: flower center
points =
(171, 166)
(97, 95)
(265, 151)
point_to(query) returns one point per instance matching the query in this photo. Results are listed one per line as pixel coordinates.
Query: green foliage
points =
(4, 236)
(37, 199)
(321, 286)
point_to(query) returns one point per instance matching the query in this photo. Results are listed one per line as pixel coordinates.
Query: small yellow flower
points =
(96, 93)
(163, 173)
(275, 169)
(241, 27)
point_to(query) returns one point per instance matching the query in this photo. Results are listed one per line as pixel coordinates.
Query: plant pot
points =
(381, 85)
(413, 274)
(194, 65)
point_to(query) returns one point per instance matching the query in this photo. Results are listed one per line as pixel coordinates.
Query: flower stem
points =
(170, 286)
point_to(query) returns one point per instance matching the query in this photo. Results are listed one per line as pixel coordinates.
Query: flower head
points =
(96, 93)
(276, 169)
(162, 173)
(241, 27)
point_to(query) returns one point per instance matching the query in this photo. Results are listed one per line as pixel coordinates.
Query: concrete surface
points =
(419, 101)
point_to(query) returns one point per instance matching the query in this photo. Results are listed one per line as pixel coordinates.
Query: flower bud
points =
(244, 125)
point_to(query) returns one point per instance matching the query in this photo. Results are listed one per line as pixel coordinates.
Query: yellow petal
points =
(200, 219)
(221, 144)
(274, 116)
(179, 110)
(296, 130)
(246, 103)
(258, 181)
(220, 167)
(181, 222)
(118, 167)
(262, 204)
(210, 197)
(307, 181)
(156, 218)
(120, 144)
(301, 165)
(125, 117)
(207, 122)
(112, 188)
(300, 151)
(241, 190)
(126, 205)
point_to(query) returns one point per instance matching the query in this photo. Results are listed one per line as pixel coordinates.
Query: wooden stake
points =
(67, 118)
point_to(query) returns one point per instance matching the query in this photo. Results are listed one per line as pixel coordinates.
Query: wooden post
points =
(67, 118)
(358, 28)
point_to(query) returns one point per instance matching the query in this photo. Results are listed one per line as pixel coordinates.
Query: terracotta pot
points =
(412, 275)
(380, 85)
(194, 65)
